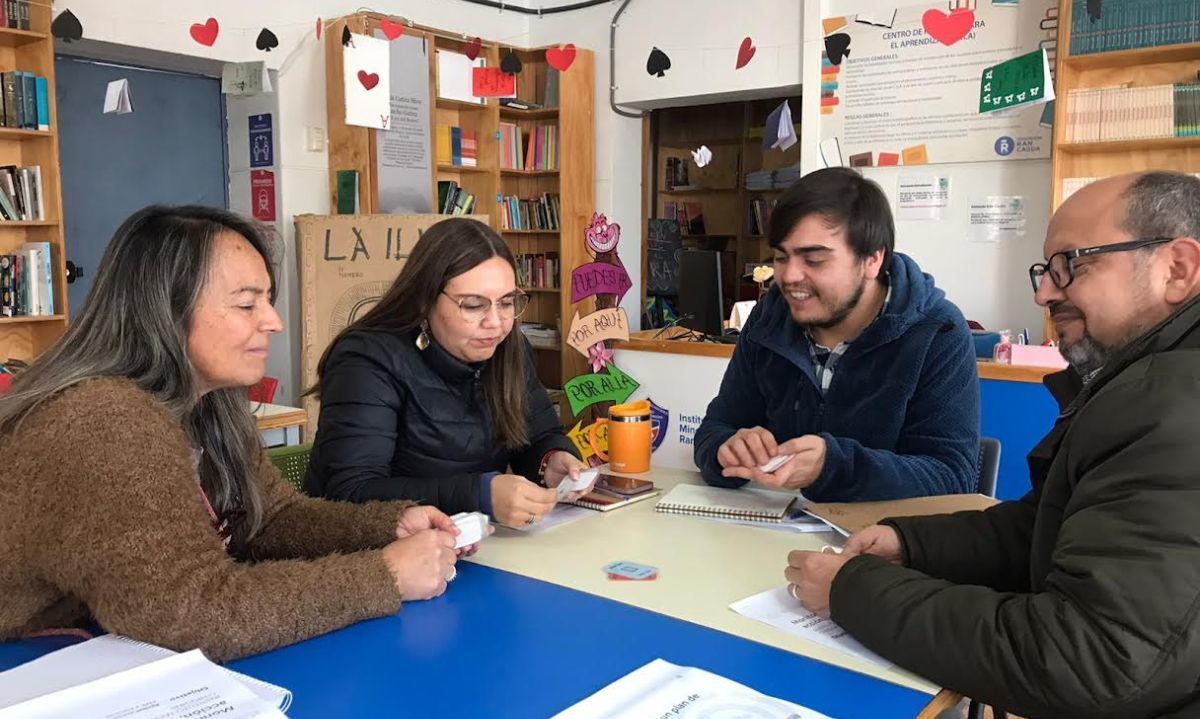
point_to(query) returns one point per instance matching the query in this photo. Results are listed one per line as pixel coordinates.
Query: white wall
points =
(301, 175)
(989, 282)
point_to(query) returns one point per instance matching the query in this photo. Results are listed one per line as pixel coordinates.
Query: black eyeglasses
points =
(1061, 265)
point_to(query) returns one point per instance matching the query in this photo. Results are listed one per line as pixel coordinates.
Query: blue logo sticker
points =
(1005, 146)
(660, 417)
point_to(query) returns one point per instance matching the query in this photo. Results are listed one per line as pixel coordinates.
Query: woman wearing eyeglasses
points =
(432, 394)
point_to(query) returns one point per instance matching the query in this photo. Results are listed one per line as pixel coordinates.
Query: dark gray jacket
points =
(1080, 599)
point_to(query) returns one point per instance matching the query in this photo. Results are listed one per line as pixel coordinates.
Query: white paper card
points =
(662, 689)
(454, 77)
(176, 687)
(922, 197)
(245, 78)
(780, 609)
(117, 100)
(366, 70)
(997, 218)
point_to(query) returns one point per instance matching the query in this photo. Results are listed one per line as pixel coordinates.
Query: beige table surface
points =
(703, 566)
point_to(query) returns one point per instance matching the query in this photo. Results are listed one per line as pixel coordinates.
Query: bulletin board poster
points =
(893, 92)
(347, 263)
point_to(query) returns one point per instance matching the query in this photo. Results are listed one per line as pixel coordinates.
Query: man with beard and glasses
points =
(854, 365)
(1080, 599)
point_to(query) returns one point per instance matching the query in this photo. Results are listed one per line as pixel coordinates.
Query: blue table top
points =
(502, 645)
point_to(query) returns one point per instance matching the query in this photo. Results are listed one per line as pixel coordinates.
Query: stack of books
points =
(21, 193)
(538, 270)
(14, 14)
(27, 281)
(26, 100)
(456, 146)
(541, 335)
(1130, 24)
(1133, 113)
(531, 214)
(453, 199)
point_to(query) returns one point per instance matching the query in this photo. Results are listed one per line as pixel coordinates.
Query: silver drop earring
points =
(423, 338)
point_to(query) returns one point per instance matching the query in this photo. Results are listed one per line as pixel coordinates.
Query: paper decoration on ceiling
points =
(779, 132)
(320, 27)
(472, 49)
(658, 63)
(837, 47)
(601, 235)
(599, 326)
(347, 40)
(510, 63)
(560, 58)
(117, 99)
(702, 156)
(1095, 10)
(206, 33)
(391, 30)
(589, 389)
(948, 29)
(745, 53)
(66, 27)
(266, 41)
(366, 76)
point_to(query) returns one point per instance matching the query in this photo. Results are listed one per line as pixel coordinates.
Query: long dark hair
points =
(135, 325)
(445, 251)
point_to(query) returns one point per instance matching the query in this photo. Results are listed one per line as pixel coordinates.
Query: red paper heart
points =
(320, 25)
(391, 30)
(948, 29)
(368, 79)
(560, 58)
(745, 53)
(472, 49)
(206, 34)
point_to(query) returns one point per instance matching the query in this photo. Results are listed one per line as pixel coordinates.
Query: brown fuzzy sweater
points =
(101, 515)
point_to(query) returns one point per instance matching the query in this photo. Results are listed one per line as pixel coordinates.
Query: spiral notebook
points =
(755, 503)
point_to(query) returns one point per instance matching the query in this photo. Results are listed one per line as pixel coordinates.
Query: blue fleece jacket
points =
(901, 418)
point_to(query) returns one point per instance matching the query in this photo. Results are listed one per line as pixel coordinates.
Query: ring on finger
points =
(532, 518)
(792, 591)
(453, 574)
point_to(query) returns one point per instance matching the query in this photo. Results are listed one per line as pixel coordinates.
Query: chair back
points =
(989, 465)
(292, 462)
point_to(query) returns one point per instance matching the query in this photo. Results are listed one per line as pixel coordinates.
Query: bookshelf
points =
(573, 181)
(733, 131)
(26, 337)
(1077, 69)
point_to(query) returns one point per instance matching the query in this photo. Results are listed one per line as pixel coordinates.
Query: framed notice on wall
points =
(902, 87)
(347, 262)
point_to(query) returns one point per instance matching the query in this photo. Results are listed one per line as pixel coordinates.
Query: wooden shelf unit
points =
(353, 148)
(1140, 67)
(733, 131)
(25, 337)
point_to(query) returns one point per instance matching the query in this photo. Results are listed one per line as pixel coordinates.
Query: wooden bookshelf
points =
(1140, 67)
(733, 132)
(353, 148)
(25, 337)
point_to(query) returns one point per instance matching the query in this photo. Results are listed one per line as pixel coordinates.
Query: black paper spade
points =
(66, 27)
(837, 47)
(658, 63)
(510, 63)
(266, 41)
(346, 41)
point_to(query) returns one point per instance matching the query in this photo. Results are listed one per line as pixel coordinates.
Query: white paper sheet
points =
(117, 100)
(366, 74)
(780, 609)
(454, 72)
(177, 687)
(922, 197)
(662, 689)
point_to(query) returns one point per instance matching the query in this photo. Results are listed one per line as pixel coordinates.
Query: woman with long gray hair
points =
(134, 491)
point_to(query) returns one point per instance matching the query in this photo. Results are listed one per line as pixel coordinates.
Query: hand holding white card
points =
(568, 485)
(473, 527)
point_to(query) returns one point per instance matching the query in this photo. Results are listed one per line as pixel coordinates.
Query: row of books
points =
(21, 193)
(689, 215)
(538, 270)
(1133, 113)
(15, 14)
(676, 174)
(531, 214)
(1129, 24)
(456, 146)
(757, 215)
(26, 101)
(453, 199)
(536, 150)
(27, 281)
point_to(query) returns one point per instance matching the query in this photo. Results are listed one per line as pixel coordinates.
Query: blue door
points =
(170, 149)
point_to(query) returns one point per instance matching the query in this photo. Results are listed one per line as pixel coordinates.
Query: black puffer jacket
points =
(400, 423)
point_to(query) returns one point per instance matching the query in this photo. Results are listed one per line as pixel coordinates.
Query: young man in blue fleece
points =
(854, 363)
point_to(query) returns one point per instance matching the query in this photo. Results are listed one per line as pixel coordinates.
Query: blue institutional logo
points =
(1005, 146)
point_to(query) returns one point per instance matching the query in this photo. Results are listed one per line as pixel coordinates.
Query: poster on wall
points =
(906, 91)
(346, 263)
(402, 156)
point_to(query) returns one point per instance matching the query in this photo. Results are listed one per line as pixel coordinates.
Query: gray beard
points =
(1086, 356)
